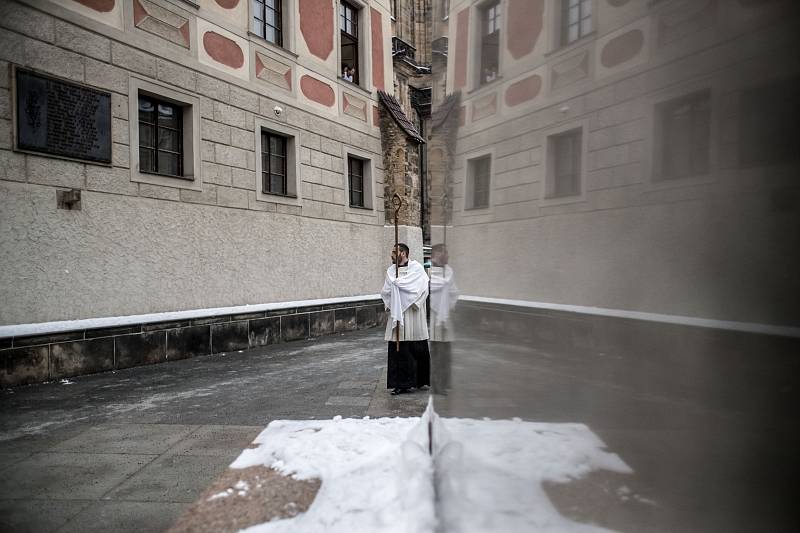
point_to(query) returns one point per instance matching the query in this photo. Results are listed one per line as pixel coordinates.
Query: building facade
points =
(240, 154)
(625, 155)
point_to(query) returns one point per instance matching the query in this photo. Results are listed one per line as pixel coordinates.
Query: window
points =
(684, 134)
(355, 174)
(768, 118)
(576, 20)
(160, 137)
(478, 181)
(490, 43)
(348, 26)
(164, 133)
(565, 172)
(268, 20)
(273, 163)
(277, 151)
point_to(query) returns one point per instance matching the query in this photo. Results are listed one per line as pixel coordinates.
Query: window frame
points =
(191, 177)
(157, 127)
(293, 140)
(564, 25)
(550, 137)
(357, 9)
(484, 11)
(471, 162)
(266, 174)
(280, 18)
(350, 186)
(660, 135)
(368, 183)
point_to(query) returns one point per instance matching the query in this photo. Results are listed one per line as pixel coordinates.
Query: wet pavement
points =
(713, 448)
(130, 450)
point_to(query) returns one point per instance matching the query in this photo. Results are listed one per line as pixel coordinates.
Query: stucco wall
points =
(122, 255)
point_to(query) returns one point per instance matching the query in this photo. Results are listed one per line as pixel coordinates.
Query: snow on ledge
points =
(748, 327)
(20, 330)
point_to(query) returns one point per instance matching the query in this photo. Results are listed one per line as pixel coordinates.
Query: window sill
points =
(352, 85)
(288, 54)
(564, 49)
(360, 208)
(477, 210)
(279, 195)
(171, 176)
(485, 86)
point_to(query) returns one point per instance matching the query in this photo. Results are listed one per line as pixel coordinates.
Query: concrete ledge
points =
(62, 354)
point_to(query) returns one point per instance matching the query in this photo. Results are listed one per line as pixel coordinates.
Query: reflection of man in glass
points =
(444, 294)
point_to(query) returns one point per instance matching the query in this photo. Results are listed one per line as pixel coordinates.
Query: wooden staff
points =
(397, 202)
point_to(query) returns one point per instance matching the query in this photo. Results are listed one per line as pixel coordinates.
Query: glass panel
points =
(258, 28)
(258, 9)
(146, 135)
(276, 184)
(586, 26)
(572, 35)
(264, 162)
(271, 17)
(269, 34)
(169, 116)
(586, 8)
(265, 181)
(168, 163)
(276, 164)
(357, 199)
(274, 4)
(277, 145)
(147, 162)
(146, 111)
(574, 15)
(169, 140)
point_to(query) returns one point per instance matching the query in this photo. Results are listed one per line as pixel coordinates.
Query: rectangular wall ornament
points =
(60, 118)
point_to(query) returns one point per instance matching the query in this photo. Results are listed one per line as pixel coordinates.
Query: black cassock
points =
(409, 367)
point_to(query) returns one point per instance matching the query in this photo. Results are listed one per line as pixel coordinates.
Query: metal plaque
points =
(61, 118)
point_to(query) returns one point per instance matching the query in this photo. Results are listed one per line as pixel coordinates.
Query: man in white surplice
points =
(444, 295)
(404, 297)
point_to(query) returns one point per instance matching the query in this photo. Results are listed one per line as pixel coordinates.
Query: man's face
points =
(403, 257)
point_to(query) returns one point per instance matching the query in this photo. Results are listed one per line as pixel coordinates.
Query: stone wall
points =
(38, 358)
(137, 247)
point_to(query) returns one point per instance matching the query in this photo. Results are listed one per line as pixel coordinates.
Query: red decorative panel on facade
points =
(316, 25)
(523, 90)
(524, 26)
(317, 91)
(103, 6)
(462, 37)
(622, 48)
(377, 49)
(223, 50)
(227, 4)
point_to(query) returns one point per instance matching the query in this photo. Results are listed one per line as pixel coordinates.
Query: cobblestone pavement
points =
(130, 450)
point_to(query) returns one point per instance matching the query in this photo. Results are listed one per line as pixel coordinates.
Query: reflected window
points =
(768, 118)
(576, 20)
(478, 182)
(355, 175)
(565, 154)
(348, 29)
(490, 43)
(160, 137)
(268, 20)
(684, 136)
(273, 163)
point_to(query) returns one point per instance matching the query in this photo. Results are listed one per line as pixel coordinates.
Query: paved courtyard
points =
(129, 450)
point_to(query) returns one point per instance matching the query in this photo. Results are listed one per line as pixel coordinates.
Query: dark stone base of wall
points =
(39, 358)
(729, 369)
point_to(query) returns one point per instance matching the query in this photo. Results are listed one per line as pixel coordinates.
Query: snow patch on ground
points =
(377, 474)
(490, 472)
